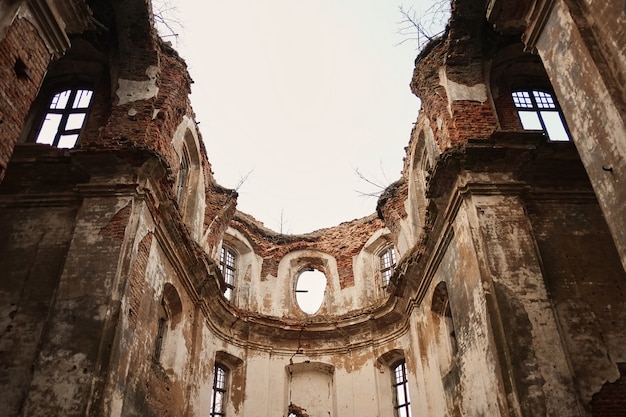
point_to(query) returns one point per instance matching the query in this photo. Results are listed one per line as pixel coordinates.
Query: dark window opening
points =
(21, 70)
(538, 110)
(387, 264)
(295, 411)
(228, 266)
(158, 344)
(401, 390)
(64, 118)
(454, 346)
(218, 394)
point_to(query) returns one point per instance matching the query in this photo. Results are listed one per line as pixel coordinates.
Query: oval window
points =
(310, 289)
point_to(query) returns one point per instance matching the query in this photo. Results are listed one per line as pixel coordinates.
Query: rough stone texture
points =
(23, 62)
(587, 70)
(272, 246)
(508, 295)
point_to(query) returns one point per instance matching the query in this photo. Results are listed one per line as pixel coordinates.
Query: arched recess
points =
(393, 384)
(372, 251)
(423, 156)
(247, 265)
(443, 326)
(189, 189)
(388, 358)
(172, 303)
(289, 269)
(310, 389)
(235, 380)
(169, 329)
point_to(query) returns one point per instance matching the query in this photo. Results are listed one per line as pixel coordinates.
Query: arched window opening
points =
(228, 266)
(387, 264)
(162, 325)
(310, 290)
(218, 393)
(538, 110)
(183, 178)
(446, 333)
(400, 384)
(64, 117)
(169, 315)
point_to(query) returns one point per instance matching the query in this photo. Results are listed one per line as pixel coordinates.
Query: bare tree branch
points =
(380, 187)
(165, 18)
(424, 27)
(243, 179)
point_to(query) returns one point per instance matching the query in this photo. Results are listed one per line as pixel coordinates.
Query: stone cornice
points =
(536, 22)
(507, 163)
(51, 26)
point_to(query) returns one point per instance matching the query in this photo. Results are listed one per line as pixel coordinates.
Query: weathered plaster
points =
(129, 91)
(457, 91)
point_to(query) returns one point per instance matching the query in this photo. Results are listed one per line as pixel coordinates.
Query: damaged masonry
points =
(489, 281)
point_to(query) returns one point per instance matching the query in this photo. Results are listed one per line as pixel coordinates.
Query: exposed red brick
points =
(136, 278)
(611, 400)
(22, 46)
(342, 242)
(116, 227)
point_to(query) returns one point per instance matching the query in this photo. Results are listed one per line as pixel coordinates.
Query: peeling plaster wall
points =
(34, 244)
(587, 72)
(354, 387)
(507, 298)
(528, 322)
(474, 388)
(587, 286)
(270, 263)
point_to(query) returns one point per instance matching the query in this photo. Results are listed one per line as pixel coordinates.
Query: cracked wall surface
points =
(507, 297)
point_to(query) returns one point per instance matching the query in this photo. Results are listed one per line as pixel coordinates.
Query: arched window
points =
(162, 325)
(169, 315)
(218, 393)
(183, 178)
(64, 117)
(538, 110)
(400, 384)
(229, 382)
(387, 264)
(444, 327)
(228, 266)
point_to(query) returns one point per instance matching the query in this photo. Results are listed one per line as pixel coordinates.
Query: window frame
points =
(184, 167)
(221, 374)
(65, 113)
(526, 100)
(387, 261)
(229, 269)
(163, 324)
(400, 380)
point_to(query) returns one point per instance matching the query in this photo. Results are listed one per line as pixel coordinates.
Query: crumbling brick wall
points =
(23, 62)
(450, 64)
(343, 242)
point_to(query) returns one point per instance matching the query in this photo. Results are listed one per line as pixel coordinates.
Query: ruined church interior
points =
(489, 279)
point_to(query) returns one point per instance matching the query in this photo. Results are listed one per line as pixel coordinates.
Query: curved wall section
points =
(481, 286)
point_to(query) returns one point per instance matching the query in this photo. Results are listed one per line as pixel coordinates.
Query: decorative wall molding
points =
(51, 26)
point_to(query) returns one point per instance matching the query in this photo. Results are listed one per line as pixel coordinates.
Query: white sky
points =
(301, 93)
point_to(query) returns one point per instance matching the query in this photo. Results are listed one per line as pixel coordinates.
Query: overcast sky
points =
(299, 94)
